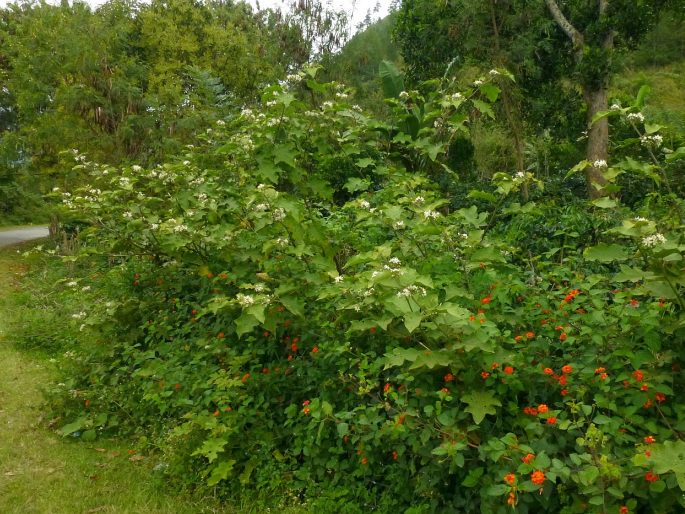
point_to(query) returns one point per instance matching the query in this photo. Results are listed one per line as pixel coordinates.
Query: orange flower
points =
(537, 477)
(562, 380)
(660, 397)
(567, 369)
(495, 365)
(245, 377)
(315, 349)
(600, 370)
(220, 335)
(530, 335)
(306, 411)
(638, 375)
(528, 458)
(449, 377)
(562, 336)
(510, 478)
(623, 510)
(387, 388)
(395, 455)
(508, 370)
(644, 387)
(651, 477)
(548, 371)
(484, 375)
(551, 420)
(603, 376)
(486, 300)
(563, 392)
(518, 338)
(365, 461)
(542, 408)
(650, 439)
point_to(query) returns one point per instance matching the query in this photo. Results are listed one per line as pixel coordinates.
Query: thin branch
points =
(574, 35)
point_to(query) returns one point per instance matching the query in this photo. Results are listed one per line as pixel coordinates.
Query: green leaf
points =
(221, 472)
(484, 108)
(641, 95)
(480, 403)
(412, 321)
(669, 456)
(211, 448)
(357, 184)
(430, 359)
(365, 162)
(490, 91)
(245, 323)
(473, 477)
(294, 305)
(343, 429)
(605, 253)
(588, 475)
(605, 203)
(678, 154)
(391, 79)
(73, 427)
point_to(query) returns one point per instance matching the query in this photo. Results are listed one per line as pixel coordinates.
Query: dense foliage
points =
(294, 311)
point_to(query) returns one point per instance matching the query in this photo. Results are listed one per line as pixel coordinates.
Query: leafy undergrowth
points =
(43, 472)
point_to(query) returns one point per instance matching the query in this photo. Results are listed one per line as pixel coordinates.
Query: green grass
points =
(41, 472)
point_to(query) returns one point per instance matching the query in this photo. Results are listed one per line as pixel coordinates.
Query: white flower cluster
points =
(636, 116)
(202, 198)
(457, 97)
(245, 300)
(477, 83)
(342, 96)
(93, 195)
(294, 78)
(357, 108)
(327, 105)
(615, 107)
(640, 218)
(654, 141)
(221, 123)
(519, 176)
(128, 215)
(279, 214)
(600, 164)
(398, 225)
(418, 200)
(282, 242)
(395, 261)
(261, 207)
(197, 181)
(431, 214)
(653, 240)
(404, 95)
(338, 279)
(410, 290)
(79, 315)
(259, 288)
(364, 204)
(247, 113)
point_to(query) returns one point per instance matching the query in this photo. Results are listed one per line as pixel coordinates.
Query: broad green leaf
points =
(605, 253)
(605, 203)
(490, 91)
(245, 323)
(430, 359)
(669, 456)
(211, 448)
(221, 472)
(412, 321)
(294, 305)
(480, 403)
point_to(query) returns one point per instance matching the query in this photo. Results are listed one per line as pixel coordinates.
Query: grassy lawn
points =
(41, 472)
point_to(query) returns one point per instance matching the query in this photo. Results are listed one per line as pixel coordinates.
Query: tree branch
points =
(565, 25)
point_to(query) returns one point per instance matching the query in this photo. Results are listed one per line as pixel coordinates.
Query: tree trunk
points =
(597, 142)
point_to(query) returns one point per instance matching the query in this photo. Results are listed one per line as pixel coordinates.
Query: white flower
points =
(418, 200)
(259, 288)
(520, 175)
(79, 315)
(279, 214)
(398, 225)
(615, 107)
(369, 292)
(327, 105)
(246, 113)
(493, 73)
(85, 288)
(654, 141)
(339, 279)
(282, 241)
(202, 197)
(181, 228)
(342, 95)
(477, 83)
(220, 123)
(431, 214)
(261, 207)
(410, 290)
(271, 103)
(293, 77)
(136, 168)
(364, 204)
(55, 189)
(599, 163)
(395, 261)
(457, 97)
(640, 218)
(244, 300)
(72, 283)
(356, 108)
(404, 95)
(154, 226)
(636, 116)
(261, 187)
(653, 240)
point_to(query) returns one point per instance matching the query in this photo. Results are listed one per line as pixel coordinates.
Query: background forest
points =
(434, 266)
